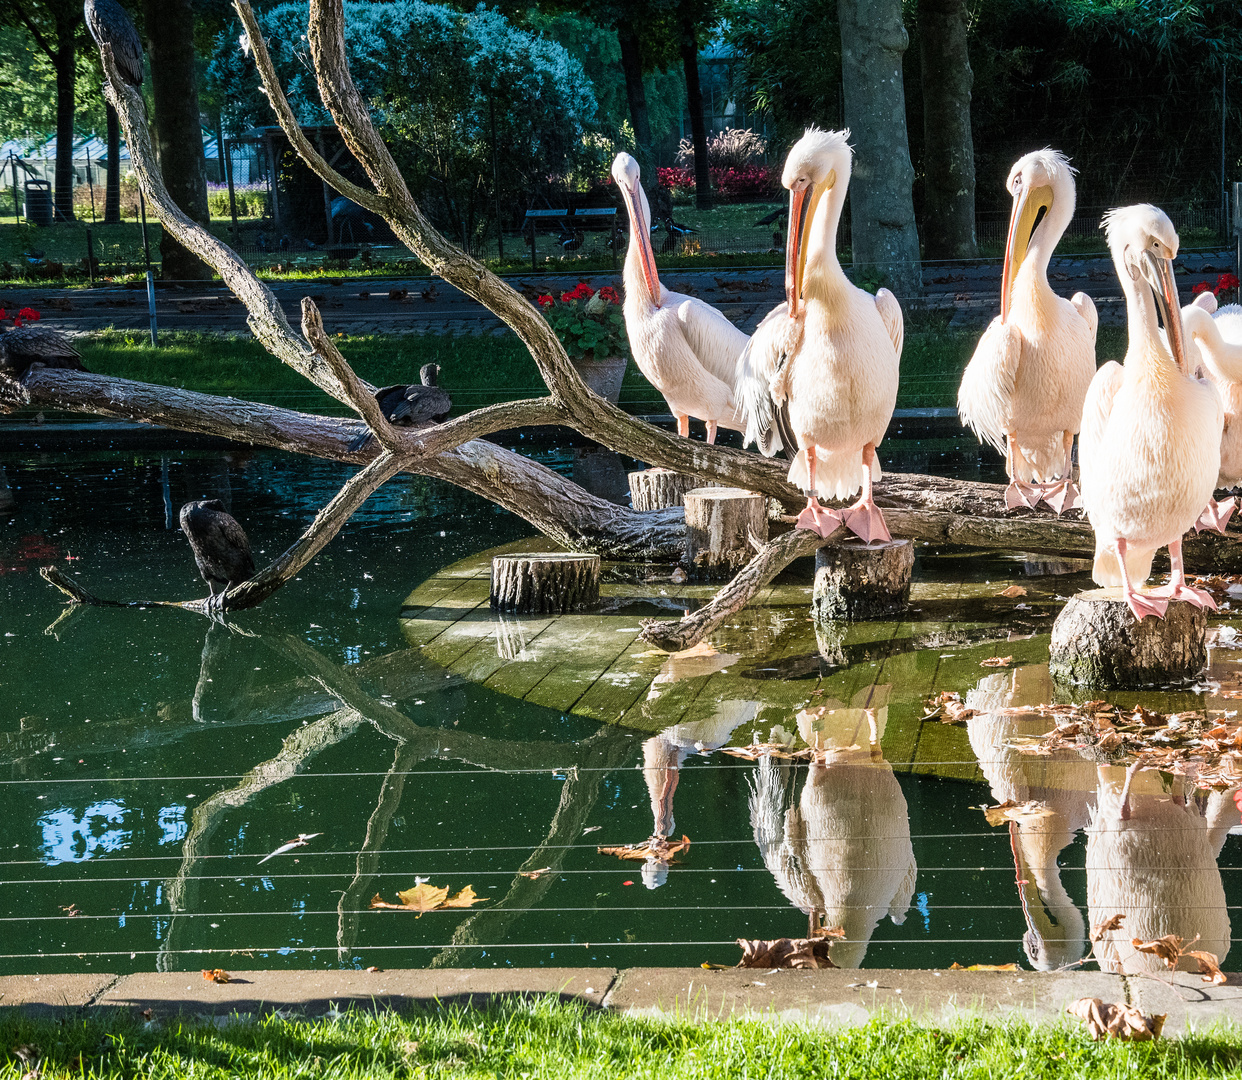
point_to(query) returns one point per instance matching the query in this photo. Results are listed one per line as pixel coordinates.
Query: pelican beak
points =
(642, 237)
(1027, 204)
(802, 204)
(1158, 273)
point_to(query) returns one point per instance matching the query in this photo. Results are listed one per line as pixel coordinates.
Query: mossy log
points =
(724, 529)
(854, 580)
(545, 583)
(655, 489)
(1097, 641)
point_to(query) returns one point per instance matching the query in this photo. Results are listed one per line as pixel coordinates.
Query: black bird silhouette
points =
(219, 543)
(771, 219)
(412, 406)
(570, 239)
(675, 232)
(23, 346)
(111, 25)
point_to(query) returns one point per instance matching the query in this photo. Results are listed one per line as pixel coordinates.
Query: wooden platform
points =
(763, 666)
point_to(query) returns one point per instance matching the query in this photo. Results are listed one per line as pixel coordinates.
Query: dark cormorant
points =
(22, 346)
(220, 547)
(110, 25)
(412, 406)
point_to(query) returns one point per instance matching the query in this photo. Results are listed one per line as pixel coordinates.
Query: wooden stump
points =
(545, 584)
(854, 580)
(720, 523)
(654, 489)
(1096, 641)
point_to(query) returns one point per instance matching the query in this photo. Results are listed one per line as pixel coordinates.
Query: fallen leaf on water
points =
(1012, 811)
(984, 967)
(1167, 948)
(534, 874)
(1102, 928)
(996, 661)
(424, 898)
(1116, 1021)
(71, 911)
(678, 576)
(465, 898)
(657, 847)
(591, 829)
(218, 975)
(1013, 590)
(785, 953)
(1209, 966)
(373, 969)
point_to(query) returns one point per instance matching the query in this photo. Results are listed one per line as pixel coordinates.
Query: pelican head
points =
(1144, 244)
(816, 163)
(1037, 182)
(625, 172)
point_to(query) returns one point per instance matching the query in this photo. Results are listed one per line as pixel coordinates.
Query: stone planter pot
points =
(603, 376)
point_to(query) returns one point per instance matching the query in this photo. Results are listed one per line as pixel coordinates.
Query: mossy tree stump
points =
(854, 580)
(1097, 641)
(544, 584)
(724, 528)
(654, 489)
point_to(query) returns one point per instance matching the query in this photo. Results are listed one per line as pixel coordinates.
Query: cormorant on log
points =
(219, 543)
(29, 344)
(412, 406)
(110, 25)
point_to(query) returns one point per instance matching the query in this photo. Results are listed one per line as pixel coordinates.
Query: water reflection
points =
(840, 848)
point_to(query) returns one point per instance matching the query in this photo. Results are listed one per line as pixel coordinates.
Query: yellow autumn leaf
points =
(424, 897)
(465, 898)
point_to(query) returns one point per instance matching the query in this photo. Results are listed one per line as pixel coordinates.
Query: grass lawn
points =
(544, 1039)
(475, 369)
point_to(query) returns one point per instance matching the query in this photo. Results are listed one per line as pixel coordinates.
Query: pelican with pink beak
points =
(687, 349)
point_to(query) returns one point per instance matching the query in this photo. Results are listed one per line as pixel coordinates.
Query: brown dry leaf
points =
(657, 847)
(1012, 811)
(828, 932)
(955, 966)
(1118, 1021)
(424, 897)
(1012, 591)
(535, 874)
(785, 953)
(465, 898)
(1101, 928)
(218, 975)
(1167, 948)
(1209, 966)
(996, 661)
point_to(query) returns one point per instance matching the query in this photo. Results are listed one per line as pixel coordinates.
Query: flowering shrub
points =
(26, 315)
(746, 182)
(589, 323)
(734, 148)
(1224, 283)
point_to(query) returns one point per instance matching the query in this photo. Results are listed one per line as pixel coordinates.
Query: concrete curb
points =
(825, 998)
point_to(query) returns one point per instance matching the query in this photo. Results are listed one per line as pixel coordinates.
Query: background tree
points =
(948, 217)
(693, 22)
(883, 236)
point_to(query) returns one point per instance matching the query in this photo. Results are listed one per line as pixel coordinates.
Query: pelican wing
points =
(986, 392)
(890, 311)
(1086, 308)
(761, 361)
(713, 338)
(1222, 356)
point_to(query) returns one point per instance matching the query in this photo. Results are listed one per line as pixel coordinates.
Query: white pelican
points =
(1150, 446)
(1024, 387)
(821, 369)
(687, 349)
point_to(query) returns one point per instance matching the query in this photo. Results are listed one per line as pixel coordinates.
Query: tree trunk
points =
(654, 489)
(545, 584)
(178, 126)
(632, 66)
(948, 149)
(65, 62)
(885, 241)
(698, 126)
(721, 526)
(112, 189)
(854, 580)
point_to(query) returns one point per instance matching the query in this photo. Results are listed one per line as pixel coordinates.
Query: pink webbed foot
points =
(865, 521)
(1216, 515)
(1020, 493)
(1144, 604)
(1199, 597)
(818, 519)
(1061, 496)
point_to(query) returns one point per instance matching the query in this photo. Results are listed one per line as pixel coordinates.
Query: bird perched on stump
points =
(219, 543)
(411, 406)
(25, 345)
(111, 27)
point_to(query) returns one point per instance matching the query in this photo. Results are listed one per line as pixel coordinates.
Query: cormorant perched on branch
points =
(412, 406)
(220, 547)
(22, 346)
(110, 25)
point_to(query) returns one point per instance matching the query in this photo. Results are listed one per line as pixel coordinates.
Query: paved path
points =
(834, 997)
(421, 305)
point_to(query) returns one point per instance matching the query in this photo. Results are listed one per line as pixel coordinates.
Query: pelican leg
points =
(1177, 589)
(1142, 604)
(818, 519)
(1019, 492)
(1063, 494)
(683, 424)
(864, 518)
(1216, 515)
(711, 432)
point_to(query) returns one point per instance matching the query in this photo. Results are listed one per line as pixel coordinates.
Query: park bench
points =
(572, 223)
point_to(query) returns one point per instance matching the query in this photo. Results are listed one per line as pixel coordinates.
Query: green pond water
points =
(150, 759)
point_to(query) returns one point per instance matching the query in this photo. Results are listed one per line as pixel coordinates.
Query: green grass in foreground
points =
(476, 369)
(557, 1041)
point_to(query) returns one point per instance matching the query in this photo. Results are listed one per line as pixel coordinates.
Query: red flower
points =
(1226, 281)
(29, 314)
(546, 301)
(17, 323)
(581, 291)
(1203, 286)
(610, 294)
